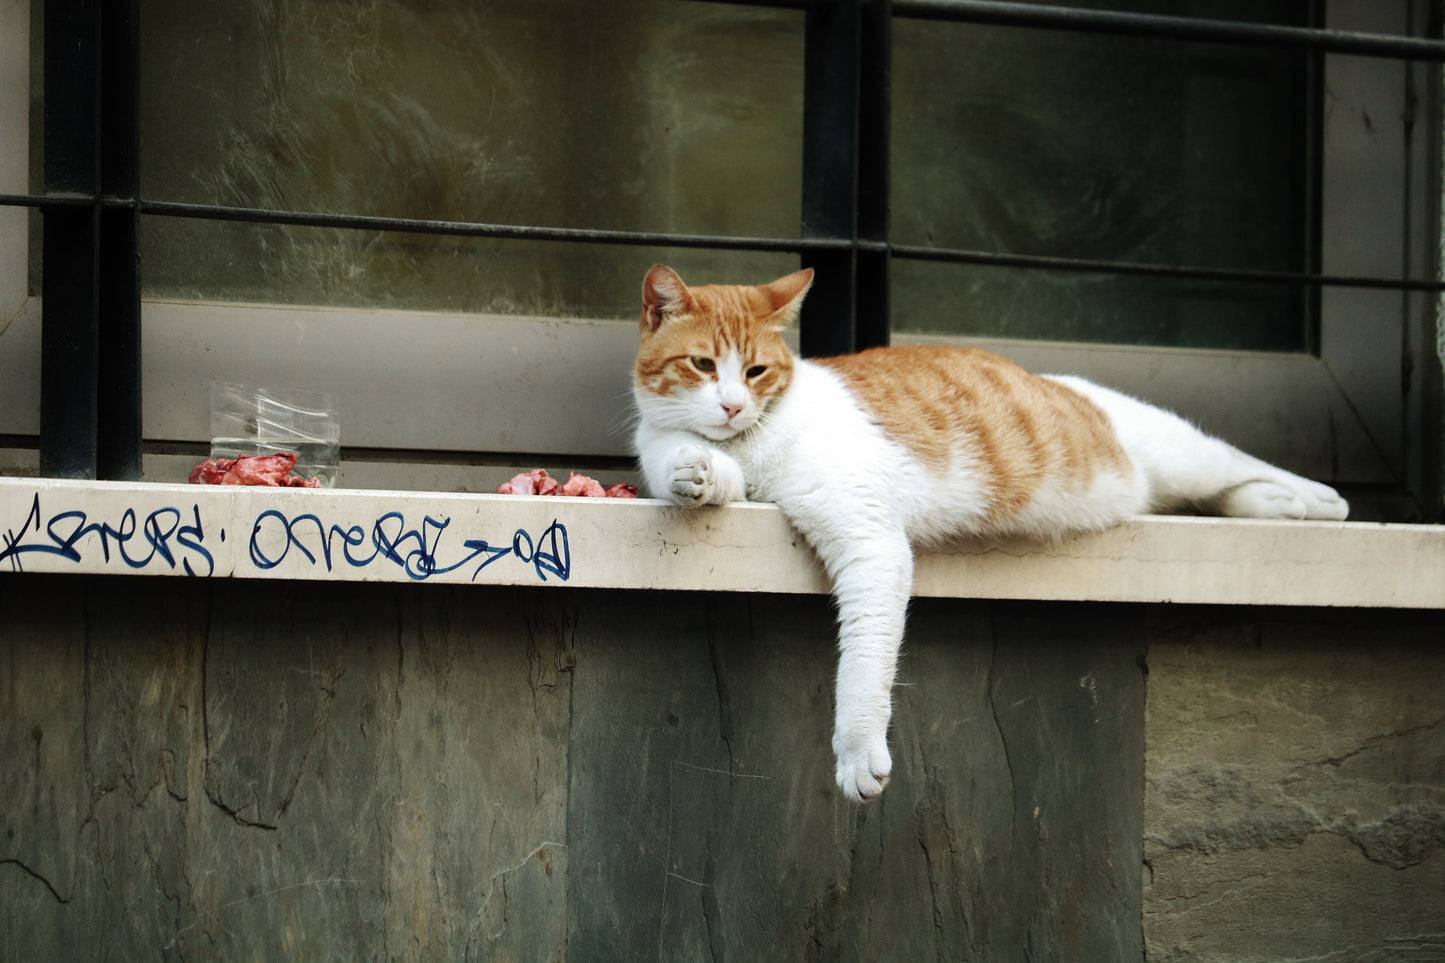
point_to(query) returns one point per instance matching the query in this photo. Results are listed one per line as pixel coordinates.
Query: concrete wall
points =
(1295, 791)
(322, 771)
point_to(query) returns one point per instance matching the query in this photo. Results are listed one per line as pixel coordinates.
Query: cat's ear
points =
(786, 295)
(663, 294)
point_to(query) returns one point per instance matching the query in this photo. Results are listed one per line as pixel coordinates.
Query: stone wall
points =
(321, 771)
(311, 770)
(1295, 789)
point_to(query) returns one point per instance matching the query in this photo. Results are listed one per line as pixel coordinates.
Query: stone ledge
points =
(49, 525)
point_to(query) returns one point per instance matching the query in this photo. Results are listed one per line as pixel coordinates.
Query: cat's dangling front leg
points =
(684, 469)
(872, 582)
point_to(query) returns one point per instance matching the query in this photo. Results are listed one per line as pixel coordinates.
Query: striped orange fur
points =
(949, 404)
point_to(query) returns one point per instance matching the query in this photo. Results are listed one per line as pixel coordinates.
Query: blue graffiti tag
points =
(137, 543)
(415, 550)
(166, 537)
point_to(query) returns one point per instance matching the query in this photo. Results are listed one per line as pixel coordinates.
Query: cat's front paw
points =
(692, 477)
(863, 765)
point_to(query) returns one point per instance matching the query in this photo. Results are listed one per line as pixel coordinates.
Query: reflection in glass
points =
(270, 264)
(660, 115)
(632, 115)
(1078, 145)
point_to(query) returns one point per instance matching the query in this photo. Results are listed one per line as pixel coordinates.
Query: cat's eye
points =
(756, 371)
(705, 365)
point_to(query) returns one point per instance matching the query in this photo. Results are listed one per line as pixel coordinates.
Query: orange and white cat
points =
(873, 454)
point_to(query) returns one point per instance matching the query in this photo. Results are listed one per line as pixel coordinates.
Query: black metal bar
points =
(403, 225)
(875, 97)
(721, 242)
(118, 409)
(69, 344)
(1014, 14)
(1311, 88)
(1165, 271)
(69, 339)
(517, 232)
(800, 245)
(830, 176)
(43, 201)
(779, 4)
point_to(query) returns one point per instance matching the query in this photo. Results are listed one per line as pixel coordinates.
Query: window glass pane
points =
(271, 264)
(647, 115)
(1036, 142)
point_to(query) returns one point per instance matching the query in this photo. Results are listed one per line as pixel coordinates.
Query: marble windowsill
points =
(49, 525)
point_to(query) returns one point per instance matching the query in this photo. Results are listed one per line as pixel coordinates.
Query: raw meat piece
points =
(270, 471)
(538, 482)
(296, 481)
(520, 485)
(211, 471)
(265, 470)
(584, 486)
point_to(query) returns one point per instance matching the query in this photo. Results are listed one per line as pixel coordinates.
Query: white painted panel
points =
(464, 383)
(410, 380)
(19, 362)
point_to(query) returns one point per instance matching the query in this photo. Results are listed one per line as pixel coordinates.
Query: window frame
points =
(1349, 413)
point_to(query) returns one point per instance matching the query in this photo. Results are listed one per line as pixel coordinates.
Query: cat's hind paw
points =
(863, 770)
(1274, 499)
(1263, 499)
(1325, 503)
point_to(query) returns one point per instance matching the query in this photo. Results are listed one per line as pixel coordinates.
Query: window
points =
(440, 211)
(663, 117)
(1105, 147)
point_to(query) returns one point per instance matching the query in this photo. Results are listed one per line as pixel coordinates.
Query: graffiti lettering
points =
(419, 551)
(160, 538)
(177, 539)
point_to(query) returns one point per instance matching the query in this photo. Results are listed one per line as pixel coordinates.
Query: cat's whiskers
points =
(625, 422)
(669, 412)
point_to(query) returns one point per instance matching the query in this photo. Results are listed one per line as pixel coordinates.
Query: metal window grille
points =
(90, 365)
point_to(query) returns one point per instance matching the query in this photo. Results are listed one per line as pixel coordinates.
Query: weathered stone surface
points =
(276, 774)
(1295, 800)
(318, 771)
(1008, 829)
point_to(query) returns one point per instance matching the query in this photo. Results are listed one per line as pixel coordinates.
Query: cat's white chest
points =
(818, 444)
(800, 442)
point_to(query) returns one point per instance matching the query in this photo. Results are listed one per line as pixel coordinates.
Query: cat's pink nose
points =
(732, 411)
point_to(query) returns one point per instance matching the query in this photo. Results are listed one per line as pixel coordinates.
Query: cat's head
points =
(713, 358)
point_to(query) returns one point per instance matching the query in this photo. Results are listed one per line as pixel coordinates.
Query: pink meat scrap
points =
(538, 482)
(271, 471)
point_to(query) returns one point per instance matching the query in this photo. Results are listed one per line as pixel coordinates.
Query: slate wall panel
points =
(326, 771)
